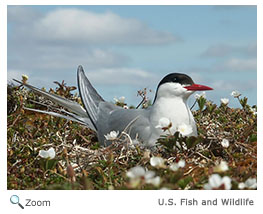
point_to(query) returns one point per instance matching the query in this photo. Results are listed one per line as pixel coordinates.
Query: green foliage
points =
(177, 143)
(182, 183)
(81, 163)
(201, 103)
(47, 164)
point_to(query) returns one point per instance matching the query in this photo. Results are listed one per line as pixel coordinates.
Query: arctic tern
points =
(103, 117)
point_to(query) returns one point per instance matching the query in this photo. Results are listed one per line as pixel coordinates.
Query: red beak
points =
(197, 87)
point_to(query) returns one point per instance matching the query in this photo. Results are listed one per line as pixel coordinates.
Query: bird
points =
(103, 117)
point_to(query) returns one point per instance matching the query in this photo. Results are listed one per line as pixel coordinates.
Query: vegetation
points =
(223, 156)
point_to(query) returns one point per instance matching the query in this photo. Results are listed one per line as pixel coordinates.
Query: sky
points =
(126, 48)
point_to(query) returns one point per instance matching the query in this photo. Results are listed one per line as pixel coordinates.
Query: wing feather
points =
(90, 97)
(71, 105)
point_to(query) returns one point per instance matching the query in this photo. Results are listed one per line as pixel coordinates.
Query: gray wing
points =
(90, 97)
(135, 122)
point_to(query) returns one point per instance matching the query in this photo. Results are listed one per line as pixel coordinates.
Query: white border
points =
(132, 2)
(259, 94)
(3, 95)
(123, 201)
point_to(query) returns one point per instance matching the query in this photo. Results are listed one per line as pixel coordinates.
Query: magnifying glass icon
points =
(14, 199)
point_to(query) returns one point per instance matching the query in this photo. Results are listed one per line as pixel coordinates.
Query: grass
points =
(81, 163)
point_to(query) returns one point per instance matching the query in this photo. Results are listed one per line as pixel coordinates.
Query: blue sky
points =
(126, 48)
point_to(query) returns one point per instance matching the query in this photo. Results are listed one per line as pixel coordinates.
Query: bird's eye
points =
(175, 79)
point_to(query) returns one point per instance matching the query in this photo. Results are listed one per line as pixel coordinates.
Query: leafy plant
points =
(225, 134)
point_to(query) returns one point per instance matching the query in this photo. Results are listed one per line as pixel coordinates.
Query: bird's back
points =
(134, 122)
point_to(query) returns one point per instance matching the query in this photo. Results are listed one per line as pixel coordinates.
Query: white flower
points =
(138, 173)
(198, 96)
(222, 167)
(135, 142)
(215, 181)
(225, 143)
(224, 101)
(120, 100)
(154, 181)
(185, 129)
(251, 183)
(165, 188)
(235, 94)
(175, 166)
(24, 77)
(47, 154)
(135, 174)
(181, 163)
(157, 162)
(241, 185)
(253, 110)
(227, 182)
(112, 135)
(163, 123)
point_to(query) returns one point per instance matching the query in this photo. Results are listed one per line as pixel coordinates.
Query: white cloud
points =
(61, 59)
(57, 41)
(75, 25)
(124, 76)
(221, 50)
(224, 85)
(235, 64)
(18, 14)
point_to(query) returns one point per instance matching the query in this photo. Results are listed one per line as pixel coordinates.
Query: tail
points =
(89, 96)
(80, 115)
(64, 114)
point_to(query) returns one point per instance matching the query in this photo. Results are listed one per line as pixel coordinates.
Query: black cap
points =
(183, 79)
(177, 78)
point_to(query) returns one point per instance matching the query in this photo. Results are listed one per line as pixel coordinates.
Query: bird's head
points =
(178, 85)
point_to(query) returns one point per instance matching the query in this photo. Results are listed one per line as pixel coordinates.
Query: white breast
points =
(176, 110)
